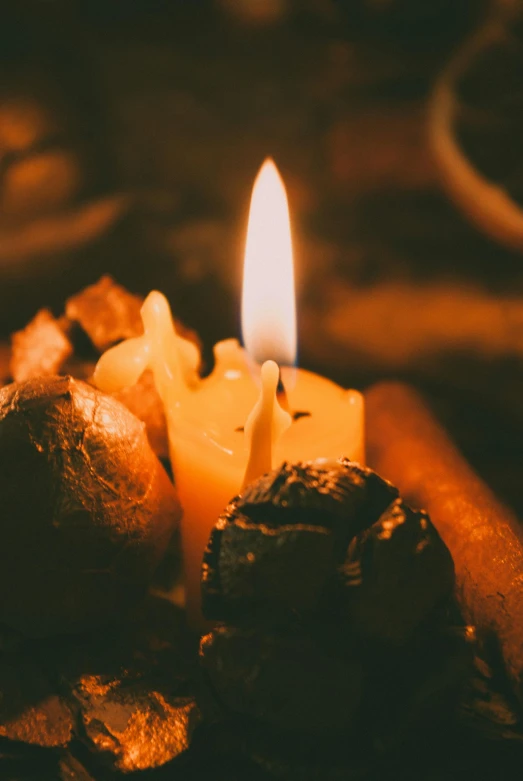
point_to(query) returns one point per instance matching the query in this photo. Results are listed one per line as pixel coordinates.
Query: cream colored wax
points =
(210, 454)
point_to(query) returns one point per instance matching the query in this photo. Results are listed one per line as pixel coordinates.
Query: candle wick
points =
(281, 395)
(300, 414)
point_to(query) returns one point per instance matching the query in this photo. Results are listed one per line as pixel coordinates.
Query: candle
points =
(266, 423)
(207, 417)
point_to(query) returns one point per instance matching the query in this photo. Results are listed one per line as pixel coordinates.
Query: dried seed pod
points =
(337, 597)
(40, 348)
(406, 697)
(283, 680)
(106, 312)
(396, 572)
(86, 508)
(277, 545)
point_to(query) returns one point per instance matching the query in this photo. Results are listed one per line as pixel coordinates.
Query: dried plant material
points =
(276, 547)
(30, 711)
(142, 400)
(394, 574)
(285, 681)
(326, 539)
(138, 728)
(40, 349)
(334, 601)
(87, 510)
(107, 313)
(131, 687)
(408, 446)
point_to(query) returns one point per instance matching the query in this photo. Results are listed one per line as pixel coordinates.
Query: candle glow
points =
(224, 428)
(269, 301)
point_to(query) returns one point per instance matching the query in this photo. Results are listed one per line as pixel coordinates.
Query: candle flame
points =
(268, 301)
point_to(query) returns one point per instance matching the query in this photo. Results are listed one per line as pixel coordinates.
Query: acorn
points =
(86, 509)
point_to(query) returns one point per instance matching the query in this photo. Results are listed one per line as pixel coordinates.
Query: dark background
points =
(130, 134)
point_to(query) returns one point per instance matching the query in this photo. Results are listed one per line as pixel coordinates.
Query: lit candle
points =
(207, 418)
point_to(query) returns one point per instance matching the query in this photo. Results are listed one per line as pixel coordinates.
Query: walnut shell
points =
(277, 545)
(86, 509)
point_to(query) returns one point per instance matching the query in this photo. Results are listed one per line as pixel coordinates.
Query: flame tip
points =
(268, 305)
(269, 169)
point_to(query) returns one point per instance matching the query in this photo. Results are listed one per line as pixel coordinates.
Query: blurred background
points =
(131, 132)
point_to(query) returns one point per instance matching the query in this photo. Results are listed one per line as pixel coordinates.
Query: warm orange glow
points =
(268, 302)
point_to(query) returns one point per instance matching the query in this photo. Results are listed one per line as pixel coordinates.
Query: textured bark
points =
(408, 446)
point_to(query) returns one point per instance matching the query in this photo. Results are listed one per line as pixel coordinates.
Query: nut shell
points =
(339, 631)
(395, 574)
(283, 680)
(86, 509)
(276, 545)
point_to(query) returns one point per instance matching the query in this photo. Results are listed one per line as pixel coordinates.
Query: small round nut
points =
(86, 509)
(278, 544)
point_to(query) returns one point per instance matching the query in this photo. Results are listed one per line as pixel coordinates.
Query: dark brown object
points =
(87, 510)
(105, 313)
(330, 541)
(70, 769)
(283, 680)
(5, 359)
(408, 700)
(40, 349)
(408, 446)
(130, 687)
(394, 574)
(126, 693)
(277, 546)
(30, 711)
(338, 631)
